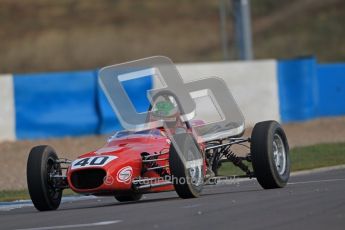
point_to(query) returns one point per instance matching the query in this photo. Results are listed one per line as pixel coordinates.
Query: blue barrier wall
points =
(308, 90)
(69, 104)
(331, 89)
(297, 84)
(55, 104)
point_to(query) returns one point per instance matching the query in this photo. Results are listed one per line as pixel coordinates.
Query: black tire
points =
(181, 177)
(268, 174)
(129, 196)
(40, 163)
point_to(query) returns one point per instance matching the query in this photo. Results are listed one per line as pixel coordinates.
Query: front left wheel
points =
(41, 164)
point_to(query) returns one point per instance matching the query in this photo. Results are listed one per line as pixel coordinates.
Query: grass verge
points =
(23, 194)
(302, 158)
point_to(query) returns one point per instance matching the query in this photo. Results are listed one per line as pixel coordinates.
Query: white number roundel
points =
(96, 161)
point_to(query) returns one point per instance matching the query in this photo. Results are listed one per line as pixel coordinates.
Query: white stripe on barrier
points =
(7, 110)
(253, 84)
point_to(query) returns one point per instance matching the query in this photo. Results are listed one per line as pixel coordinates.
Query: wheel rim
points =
(195, 171)
(52, 170)
(279, 154)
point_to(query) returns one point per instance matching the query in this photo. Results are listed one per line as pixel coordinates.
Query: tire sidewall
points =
(277, 129)
(37, 178)
(49, 155)
(178, 169)
(262, 154)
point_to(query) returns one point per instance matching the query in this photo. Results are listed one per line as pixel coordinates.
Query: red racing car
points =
(178, 156)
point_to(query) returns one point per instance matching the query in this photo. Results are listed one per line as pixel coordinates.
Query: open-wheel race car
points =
(169, 151)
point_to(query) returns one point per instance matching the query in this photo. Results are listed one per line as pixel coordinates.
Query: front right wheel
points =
(270, 154)
(41, 164)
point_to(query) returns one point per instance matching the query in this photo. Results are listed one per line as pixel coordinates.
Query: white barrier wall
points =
(7, 111)
(253, 84)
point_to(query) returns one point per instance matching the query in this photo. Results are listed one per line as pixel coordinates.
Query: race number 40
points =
(96, 161)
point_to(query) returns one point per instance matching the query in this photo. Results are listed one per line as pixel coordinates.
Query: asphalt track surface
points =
(310, 201)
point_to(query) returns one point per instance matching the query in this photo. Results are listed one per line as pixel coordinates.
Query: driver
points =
(165, 108)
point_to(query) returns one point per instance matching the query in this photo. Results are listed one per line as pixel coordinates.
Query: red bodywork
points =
(128, 152)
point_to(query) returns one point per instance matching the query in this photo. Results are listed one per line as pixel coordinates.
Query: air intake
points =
(88, 179)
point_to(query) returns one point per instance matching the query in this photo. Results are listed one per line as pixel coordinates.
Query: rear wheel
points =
(129, 196)
(270, 155)
(41, 164)
(186, 170)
